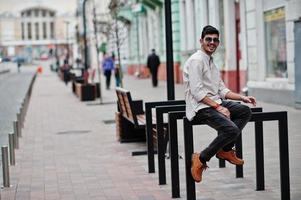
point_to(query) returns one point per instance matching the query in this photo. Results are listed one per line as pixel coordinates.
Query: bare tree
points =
(97, 50)
(115, 32)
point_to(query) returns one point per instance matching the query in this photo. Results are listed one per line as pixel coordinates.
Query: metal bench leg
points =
(161, 150)
(259, 155)
(149, 140)
(239, 168)
(284, 158)
(188, 145)
(174, 161)
(221, 163)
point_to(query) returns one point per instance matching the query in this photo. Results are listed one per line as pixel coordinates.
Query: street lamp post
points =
(169, 52)
(67, 40)
(137, 8)
(97, 51)
(85, 36)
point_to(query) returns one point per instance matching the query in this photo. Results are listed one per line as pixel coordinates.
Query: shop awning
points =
(152, 3)
(125, 14)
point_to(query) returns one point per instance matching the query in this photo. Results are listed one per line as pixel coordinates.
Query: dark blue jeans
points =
(228, 129)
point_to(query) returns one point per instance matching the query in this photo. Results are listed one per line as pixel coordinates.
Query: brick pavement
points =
(67, 152)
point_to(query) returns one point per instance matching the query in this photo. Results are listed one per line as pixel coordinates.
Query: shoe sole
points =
(229, 161)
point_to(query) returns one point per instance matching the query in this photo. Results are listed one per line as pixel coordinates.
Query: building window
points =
(22, 31)
(275, 39)
(33, 27)
(37, 30)
(29, 30)
(52, 30)
(36, 12)
(44, 30)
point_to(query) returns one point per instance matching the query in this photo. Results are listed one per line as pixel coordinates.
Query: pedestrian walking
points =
(153, 62)
(66, 71)
(117, 76)
(206, 99)
(19, 65)
(108, 66)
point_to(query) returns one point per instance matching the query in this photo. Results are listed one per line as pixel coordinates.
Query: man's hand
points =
(224, 111)
(249, 99)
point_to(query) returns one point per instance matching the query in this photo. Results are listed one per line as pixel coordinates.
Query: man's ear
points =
(201, 40)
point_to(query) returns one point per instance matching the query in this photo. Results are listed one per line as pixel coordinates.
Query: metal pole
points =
(5, 168)
(19, 125)
(188, 146)
(67, 40)
(16, 134)
(284, 157)
(238, 146)
(11, 148)
(174, 153)
(138, 45)
(160, 148)
(118, 51)
(97, 51)
(149, 138)
(85, 35)
(169, 52)
(22, 115)
(259, 155)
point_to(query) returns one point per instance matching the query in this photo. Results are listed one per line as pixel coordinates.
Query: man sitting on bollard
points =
(205, 96)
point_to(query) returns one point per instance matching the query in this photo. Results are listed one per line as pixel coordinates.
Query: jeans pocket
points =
(204, 113)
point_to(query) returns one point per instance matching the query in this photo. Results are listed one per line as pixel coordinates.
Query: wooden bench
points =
(134, 123)
(130, 118)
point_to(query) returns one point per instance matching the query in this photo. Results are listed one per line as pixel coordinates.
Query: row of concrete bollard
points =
(8, 152)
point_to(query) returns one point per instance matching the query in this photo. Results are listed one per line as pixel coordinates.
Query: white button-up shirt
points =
(201, 78)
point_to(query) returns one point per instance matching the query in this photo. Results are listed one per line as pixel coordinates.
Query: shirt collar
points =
(208, 59)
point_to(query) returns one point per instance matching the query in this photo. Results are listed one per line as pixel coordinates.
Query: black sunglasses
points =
(210, 39)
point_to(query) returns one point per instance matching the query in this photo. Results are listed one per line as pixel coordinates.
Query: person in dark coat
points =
(153, 62)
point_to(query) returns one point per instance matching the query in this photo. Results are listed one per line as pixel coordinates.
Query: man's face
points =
(209, 43)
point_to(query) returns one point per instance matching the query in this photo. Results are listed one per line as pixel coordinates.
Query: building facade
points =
(257, 49)
(270, 49)
(36, 29)
(145, 30)
(97, 17)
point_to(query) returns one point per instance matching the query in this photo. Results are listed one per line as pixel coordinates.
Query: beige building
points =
(34, 29)
(102, 16)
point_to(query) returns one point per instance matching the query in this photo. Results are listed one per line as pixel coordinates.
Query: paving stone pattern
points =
(68, 152)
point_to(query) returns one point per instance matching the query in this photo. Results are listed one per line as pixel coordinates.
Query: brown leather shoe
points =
(230, 156)
(197, 167)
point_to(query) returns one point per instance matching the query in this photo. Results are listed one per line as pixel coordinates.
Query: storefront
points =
(269, 32)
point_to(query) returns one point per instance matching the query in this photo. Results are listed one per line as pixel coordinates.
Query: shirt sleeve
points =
(222, 90)
(197, 90)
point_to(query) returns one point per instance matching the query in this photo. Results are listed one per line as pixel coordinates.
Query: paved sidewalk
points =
(68, 152)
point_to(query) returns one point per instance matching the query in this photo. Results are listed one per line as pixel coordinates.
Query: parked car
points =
(5, 59)
(19, 59)
(44, 56)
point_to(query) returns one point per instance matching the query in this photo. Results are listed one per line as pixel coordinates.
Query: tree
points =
(113, 29)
